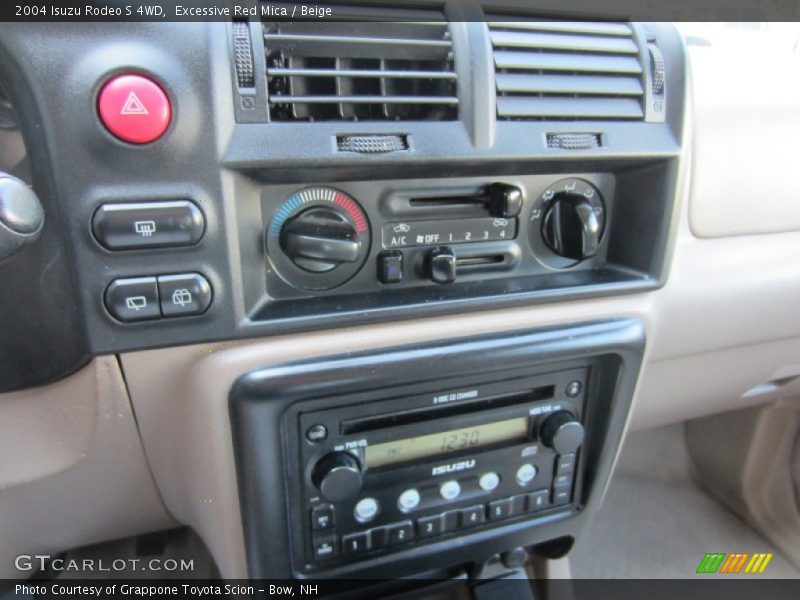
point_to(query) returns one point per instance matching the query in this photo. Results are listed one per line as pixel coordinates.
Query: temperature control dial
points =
(567, 223)
(318, 238)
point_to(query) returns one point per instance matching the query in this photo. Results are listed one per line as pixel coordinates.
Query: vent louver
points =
(557, 70)
(358, 71)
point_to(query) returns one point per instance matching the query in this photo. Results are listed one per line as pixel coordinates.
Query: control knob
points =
(320, 239)
(21, 215)
(570, 227)
(562, 432)
(338, 476)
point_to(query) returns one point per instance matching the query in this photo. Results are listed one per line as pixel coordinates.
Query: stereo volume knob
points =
(338, 476)
(562, 432)
(320, 239)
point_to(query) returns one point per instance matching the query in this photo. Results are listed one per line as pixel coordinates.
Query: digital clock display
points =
(446, 442)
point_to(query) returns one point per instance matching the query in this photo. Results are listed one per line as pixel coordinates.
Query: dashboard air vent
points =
(356, 71)
(558, 70)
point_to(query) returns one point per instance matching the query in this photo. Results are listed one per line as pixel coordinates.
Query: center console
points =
(463, 451)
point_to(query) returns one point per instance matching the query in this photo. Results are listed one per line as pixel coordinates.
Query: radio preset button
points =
(450, 521)
(450, 490)
(489, 481)
(518, 504)
(429, 526)
(400, 533)
(538, 500)
(366, 509)
(356, 543)
(322, 517)
(500, 509)
(408, 500)
(472, 516)
(526, 473)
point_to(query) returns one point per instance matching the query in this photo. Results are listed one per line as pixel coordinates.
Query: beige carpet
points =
(656, 522)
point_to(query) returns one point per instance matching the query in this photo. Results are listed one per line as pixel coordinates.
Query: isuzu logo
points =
(454, 467)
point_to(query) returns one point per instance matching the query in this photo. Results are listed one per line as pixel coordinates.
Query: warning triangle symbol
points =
(133, 106)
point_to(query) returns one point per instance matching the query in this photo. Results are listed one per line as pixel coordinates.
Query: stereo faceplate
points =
(287, 418)
(433, 465)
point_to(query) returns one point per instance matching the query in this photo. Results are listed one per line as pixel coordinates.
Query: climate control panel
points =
(356, 238)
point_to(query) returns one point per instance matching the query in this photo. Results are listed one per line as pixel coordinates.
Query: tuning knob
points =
(320, 239)
(338, 476)
(570, 227)
(562, 432)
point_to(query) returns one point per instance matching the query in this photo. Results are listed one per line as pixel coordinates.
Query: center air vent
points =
(550, 70)
(360, 71)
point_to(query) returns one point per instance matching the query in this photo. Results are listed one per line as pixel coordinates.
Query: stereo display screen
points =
(446, 442)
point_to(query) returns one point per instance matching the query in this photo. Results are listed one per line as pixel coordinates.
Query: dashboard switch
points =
(526, 473)
(390, 267)
(148, 225)
(184, 295)
(133, 299)
(134, 108)
(400, 533)
(355, 543)
(322, 517)
(505, 200)
(450, 490)
(443, 265)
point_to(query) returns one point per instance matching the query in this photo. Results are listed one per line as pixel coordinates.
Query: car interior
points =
(410, 299)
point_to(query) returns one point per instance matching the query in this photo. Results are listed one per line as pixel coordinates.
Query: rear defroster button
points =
(134, 225)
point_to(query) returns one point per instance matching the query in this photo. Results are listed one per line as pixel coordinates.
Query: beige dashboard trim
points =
(73, 470)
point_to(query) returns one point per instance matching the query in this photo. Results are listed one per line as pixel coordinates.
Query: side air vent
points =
(558, 70)
(350, 71)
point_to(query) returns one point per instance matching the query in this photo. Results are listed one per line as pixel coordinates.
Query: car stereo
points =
(403, 471)
(371, 464)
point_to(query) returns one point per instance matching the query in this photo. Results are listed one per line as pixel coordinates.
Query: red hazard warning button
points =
(134, 108)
